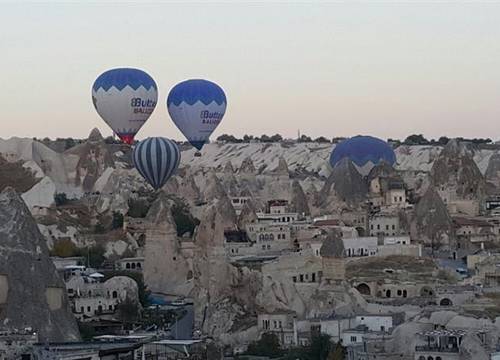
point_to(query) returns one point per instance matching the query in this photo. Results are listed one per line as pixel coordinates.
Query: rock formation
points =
(432, 222)
(345, 185)
(456, 172)
(94, 158)
(492, 173)
(248, 215)
(299, 202)
(31, 292)
(166, 267)
(247, 167)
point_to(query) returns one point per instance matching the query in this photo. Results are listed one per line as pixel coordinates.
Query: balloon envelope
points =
(125, 99)
(362, 150)
(196, 107)
(156, 159)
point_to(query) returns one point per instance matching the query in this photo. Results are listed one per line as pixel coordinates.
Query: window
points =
(115, 294)
(393, 227)
(378, 226)
(280, 324)
(275, 324)
(353, 339)
(387, 227)
(294, 279)
(301, 277)
(268, 247)
(313, 277)
(263, 247)
(88, 308)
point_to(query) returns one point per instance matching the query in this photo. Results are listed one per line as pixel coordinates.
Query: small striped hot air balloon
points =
(156, 159)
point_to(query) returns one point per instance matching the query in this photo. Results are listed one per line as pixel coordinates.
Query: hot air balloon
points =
(125, 99)
(196, 107)
(156, 159)
(363, 150)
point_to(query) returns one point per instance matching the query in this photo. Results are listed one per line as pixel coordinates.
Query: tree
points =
(184, 221)
(320, 347)
(128, 310)
(321, 139)
(305, 138)
(228, 138)
(443, 140)
(337, 353)
(265, 138)
(60, 199)
(68, 143)
(138, 208)
(117, 221)
(268, 345)
(276, 138)
(248, 138)
(94, 255)
(63, 248)
(416, 140)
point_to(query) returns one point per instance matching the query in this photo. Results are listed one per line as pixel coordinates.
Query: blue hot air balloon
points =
(156, 159)
(362, 150)
(196, 107)
(125, 99)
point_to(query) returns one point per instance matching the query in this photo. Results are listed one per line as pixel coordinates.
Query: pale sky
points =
(337, 69)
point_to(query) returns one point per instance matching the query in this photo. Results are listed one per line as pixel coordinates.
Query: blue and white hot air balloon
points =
(363, 151)
(156, 159)
(125, 99)
(196, 107)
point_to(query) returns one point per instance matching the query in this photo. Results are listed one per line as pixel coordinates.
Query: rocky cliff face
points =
(94, 158)
(31, 292)
(492, 173)
(299, 201)
(167, 269)
(432, 222)
(455, 171)
(248, 215)
(344, 186)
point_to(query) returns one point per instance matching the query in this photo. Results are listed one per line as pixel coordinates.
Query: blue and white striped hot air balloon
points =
(196, 107)
(156, 159)
(125, 99)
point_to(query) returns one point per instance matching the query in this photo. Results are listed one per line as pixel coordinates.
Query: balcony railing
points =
(433, 348)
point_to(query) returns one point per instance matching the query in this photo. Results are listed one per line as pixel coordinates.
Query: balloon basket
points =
(197, 154)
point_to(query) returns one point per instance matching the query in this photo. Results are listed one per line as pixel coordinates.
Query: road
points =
(183, 328)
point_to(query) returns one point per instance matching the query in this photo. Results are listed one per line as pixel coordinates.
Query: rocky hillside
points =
(31, 292)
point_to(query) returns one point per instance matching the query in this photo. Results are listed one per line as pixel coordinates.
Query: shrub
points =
(63, 248)
(60, 199)
(117, 221)
(184, 221)
(138, 208)
(267, 345)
